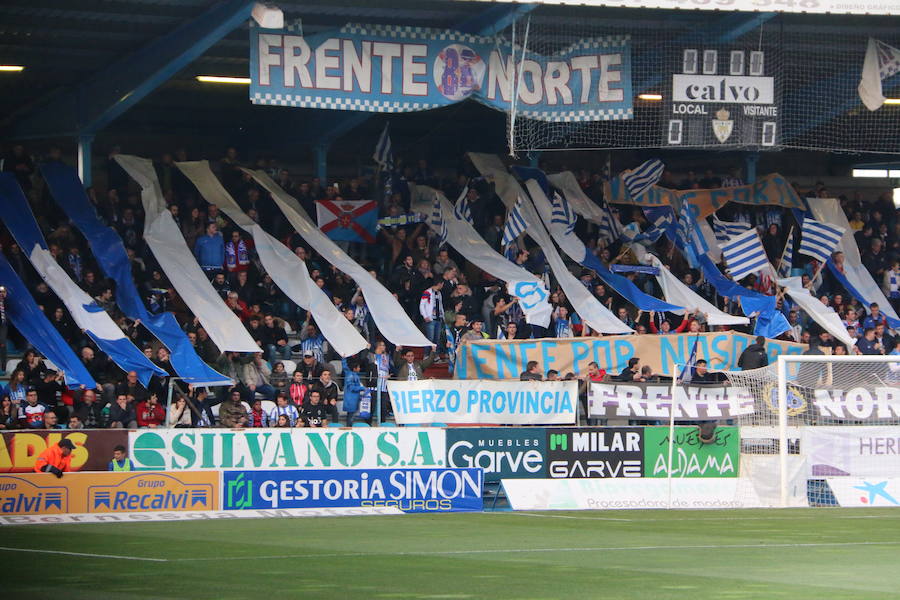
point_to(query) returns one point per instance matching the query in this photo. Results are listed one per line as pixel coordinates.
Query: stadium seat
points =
(289, 365)
(438, 425)
(334, 424)
(388, 424)
(215, 410)
(268, 406)
(361, 424)
(11, 364)
(245, 405)
(337, 367)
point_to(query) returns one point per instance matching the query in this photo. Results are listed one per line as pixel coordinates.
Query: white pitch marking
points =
(85, 554)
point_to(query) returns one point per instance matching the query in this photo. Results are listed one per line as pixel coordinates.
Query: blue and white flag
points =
(819, 240)
(108, 250)
(744, 254)
(515, 225)
(563, 214)
(688, 231)
(462, 210)
(787, 257)
(610, 226)
(384, 154)
(437, 221)
(728, 229)
(85, 312)
(643, 178)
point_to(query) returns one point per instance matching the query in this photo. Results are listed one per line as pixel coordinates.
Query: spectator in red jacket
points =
(150, 413)
(666, 327)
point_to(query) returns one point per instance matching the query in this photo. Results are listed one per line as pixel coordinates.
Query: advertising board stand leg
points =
(672, 405)
(378, 406)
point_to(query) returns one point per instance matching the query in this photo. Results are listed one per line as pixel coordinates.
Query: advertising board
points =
(42, 493)
(410, 490)
(502, 452)
(93, 448)
(365, 448)
(595, 452)
(691, 456)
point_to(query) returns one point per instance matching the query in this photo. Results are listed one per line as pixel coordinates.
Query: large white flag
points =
(882, 61)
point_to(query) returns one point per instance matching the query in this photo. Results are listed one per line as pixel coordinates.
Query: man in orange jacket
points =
(55, 459)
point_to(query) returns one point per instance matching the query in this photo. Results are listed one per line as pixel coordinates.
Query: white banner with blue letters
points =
(480, 402)
(389, 69)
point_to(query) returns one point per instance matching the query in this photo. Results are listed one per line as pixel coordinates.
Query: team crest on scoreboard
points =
(722, 125)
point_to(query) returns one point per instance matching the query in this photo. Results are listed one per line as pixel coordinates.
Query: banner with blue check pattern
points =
(390, 69)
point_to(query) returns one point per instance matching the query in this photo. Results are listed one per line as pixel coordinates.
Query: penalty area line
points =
(84, 554)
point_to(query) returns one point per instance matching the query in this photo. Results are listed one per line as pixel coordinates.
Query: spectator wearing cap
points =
(56, 459)
(311, 368)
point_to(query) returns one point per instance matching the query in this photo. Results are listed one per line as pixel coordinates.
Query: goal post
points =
(834, 423)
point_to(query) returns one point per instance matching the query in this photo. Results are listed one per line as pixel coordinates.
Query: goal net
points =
(825, 430)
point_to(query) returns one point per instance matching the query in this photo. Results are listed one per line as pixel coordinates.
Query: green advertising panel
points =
(692, 457)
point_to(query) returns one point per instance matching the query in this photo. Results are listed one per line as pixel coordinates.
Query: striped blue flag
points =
(728, 229)
(462, 210)
(384, 155)
(818, 239)
(515, 225)
(689, 235)
(610, 226)
(643, 178)
(563, 214)
(437, 221)
(744, 254)
(787, 257)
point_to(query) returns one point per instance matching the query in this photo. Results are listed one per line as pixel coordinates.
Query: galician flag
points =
(348, 220)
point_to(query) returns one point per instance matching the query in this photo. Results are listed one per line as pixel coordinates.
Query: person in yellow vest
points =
(120, 461)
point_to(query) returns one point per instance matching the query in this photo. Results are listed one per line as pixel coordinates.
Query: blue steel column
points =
(320, 162)
(750, 160)
(85, 164)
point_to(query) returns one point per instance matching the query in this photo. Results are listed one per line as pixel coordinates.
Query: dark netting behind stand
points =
(815, 63)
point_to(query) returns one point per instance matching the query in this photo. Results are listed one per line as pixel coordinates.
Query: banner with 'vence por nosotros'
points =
(390, 69)
(486, 402)
(506, 359)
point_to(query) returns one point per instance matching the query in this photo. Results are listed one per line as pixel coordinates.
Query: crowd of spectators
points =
(449, 298)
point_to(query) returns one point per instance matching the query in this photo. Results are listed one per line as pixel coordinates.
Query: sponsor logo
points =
(19, 451)
(692, 457)
(605, 452)
(723, 89)
(150, 491)
(501, 453)
(19, 496)
(875, 491)
(410, 490)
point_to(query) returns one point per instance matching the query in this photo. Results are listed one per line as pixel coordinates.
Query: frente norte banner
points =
(506, 359)
(390, 69)
(471, 401)
(649, 401)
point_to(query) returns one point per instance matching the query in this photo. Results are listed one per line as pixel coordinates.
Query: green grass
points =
(824, 554)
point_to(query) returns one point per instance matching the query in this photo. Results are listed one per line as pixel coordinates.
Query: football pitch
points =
(797, 553)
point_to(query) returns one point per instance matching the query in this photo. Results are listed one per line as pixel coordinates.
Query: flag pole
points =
(790, 239)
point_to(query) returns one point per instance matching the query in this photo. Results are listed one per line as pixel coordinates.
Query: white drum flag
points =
(882, 61)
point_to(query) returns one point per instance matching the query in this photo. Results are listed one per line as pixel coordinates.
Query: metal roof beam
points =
(104, 97)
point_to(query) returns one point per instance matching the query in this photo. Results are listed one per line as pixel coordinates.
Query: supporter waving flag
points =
(515, 225)
(461, 210)
(643, 178)
(819, 240)
(437, 221)
(610, 226)
(563, 214)
(787, 257)
(727, 229)
(744, 255)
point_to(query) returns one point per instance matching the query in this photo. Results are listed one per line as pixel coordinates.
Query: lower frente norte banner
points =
(472, 401)
(506, 359)
(651, 401)
(390, 69)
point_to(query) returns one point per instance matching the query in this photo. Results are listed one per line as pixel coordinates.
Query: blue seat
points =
(334, 424)
(438, 425)
(360, 424)
(388, 424)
